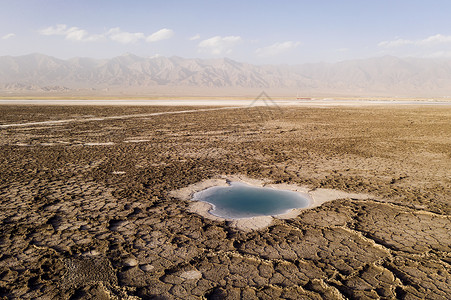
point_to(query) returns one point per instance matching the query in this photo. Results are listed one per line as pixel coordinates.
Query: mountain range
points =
(133, 75)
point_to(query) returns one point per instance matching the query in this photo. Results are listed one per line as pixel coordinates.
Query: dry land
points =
(87, 209)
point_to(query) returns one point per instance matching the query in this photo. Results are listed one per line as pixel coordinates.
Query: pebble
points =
(193, 274)
(146, 268)
(130, 262)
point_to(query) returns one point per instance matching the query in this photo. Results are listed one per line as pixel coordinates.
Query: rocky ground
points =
(86, 211)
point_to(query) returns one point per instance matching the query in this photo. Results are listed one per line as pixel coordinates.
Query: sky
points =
(253, 31)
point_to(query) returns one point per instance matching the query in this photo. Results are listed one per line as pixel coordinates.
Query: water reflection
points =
(239, 200)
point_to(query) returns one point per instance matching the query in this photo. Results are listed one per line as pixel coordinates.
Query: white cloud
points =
(123, 37)
(162, 34)
(218, 45)
(429, 41)
(114, 34)
(395, 43)
(435, 39)
(76, 34)
(72, 33)
(276, 49)
(59, 29)
(194, 37)
(8, 36)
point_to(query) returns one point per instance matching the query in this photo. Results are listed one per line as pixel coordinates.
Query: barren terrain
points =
(86, 210)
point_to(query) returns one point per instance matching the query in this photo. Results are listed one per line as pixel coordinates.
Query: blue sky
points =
(260, 32)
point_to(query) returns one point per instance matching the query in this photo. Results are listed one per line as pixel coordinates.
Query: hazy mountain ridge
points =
(383, 75)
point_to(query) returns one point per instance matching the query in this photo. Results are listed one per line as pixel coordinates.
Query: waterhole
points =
(240, 200)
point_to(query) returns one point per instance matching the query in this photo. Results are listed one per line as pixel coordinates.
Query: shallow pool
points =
(239, 200)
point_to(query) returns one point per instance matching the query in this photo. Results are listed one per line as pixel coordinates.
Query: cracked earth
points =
(87, 211)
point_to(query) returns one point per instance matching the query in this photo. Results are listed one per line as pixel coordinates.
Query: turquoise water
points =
(240, 200)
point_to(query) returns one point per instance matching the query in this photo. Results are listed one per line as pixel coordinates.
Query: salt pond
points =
(240, 200)
(267, 201)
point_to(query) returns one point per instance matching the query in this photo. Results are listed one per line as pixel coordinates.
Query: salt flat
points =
(86, 212)
(226, 102)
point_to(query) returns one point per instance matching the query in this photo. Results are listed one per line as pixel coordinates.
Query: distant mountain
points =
(383, 76)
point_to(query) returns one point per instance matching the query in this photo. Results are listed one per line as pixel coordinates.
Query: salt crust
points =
(316, 198)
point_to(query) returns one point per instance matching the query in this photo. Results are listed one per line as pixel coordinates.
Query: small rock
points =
(130, 262)
(146, 268)
(118, 172)
(193, 274)
(91, 253)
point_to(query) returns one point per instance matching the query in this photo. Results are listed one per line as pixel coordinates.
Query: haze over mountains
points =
(139, 76)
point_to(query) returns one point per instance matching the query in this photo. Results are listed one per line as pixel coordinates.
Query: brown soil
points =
(87, 212)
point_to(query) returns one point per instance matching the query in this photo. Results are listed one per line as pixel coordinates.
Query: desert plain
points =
(88, 212)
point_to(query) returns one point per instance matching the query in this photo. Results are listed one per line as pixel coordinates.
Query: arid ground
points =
(86, 210)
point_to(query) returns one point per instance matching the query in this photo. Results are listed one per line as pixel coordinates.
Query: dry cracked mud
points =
(86, 211)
